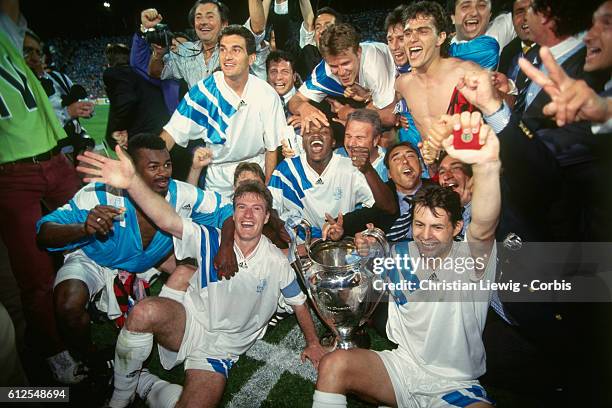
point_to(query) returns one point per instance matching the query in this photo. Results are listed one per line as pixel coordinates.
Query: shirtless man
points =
(429, 89)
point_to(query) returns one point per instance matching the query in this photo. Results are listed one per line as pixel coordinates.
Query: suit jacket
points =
(508, 59)
(572, 144)
(136, 105)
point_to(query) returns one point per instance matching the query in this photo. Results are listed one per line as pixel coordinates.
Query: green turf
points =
(96, 126)
(291, 390)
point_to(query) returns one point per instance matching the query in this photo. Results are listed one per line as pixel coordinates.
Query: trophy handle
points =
(379, 235)
(307, 231)
(300, 270)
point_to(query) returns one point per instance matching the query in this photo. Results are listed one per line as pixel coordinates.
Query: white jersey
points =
(236, 129)
(299, 190)
(376, 73)
(442, 330)
(235, 313)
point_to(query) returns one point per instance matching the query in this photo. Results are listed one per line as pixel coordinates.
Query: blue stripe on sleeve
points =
(300, 169)
(320, 81)
(292, 290)
(288, 193)
(224, 105)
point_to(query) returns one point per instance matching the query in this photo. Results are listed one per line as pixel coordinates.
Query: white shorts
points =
(415, 387)
(192, 351)
(77, 265)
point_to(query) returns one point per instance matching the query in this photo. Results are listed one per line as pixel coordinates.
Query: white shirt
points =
(236, 129)
(188, 62)
(442, 330)
(376, 73)
(306, 37)
(235, 312)
(299, 190)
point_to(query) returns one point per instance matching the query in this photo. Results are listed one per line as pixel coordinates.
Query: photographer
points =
(193, 61)
(68, 101)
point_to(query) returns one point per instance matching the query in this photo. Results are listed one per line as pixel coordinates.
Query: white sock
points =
(131, 351)
(328, 400)
(173, 294)
(163, 394)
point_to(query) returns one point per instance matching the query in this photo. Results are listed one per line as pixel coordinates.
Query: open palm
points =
(100, 169)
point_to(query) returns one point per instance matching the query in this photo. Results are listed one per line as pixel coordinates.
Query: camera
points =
(159, 35)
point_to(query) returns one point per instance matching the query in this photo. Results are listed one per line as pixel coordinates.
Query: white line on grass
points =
(278, 359)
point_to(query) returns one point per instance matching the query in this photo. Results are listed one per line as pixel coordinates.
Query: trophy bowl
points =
(341, 285)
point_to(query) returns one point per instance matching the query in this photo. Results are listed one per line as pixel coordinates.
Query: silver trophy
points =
(341, 284)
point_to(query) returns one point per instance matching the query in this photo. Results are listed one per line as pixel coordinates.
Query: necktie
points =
(523, 84)
(401, 230)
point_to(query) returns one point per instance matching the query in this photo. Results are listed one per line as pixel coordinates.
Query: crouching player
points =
(218, 320)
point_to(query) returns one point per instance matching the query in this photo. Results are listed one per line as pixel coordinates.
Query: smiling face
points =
(361, 134)
(395, 41)
(519, 19)
(471, 18)
(422, 42)
(250, 216)
(433, 233)
(404, 169)
(318, 143)
(452, 174)
(598, 40)
(155, 168)
(207, 23)
(345, 65)
(323, 21)
(281, 76)
(233, 56)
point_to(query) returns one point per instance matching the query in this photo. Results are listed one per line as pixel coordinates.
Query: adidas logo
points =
(186, 207)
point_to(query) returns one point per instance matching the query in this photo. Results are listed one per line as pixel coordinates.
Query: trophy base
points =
(358, 339)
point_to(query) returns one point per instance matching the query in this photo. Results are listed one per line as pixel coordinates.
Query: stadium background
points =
(271, 374)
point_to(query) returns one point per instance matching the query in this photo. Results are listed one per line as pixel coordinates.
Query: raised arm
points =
(486, 192)
(307, 15)
(121, 174)
(258, 17)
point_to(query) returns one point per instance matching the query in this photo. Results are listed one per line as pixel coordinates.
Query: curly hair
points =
(570, 17)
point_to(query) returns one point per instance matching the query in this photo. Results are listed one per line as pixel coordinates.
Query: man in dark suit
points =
(508, 60)
(136, 106)
(558, 24)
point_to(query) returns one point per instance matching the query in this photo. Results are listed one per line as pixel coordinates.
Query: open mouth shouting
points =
(471, 25)
(415, 52)
(316, 146)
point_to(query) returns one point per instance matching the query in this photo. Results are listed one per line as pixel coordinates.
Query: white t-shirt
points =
(299, 190)
(235, 313)
(376, 73)
(444, 334)
(236, 129)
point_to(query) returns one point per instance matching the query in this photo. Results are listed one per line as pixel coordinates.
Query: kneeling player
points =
(218, 320)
